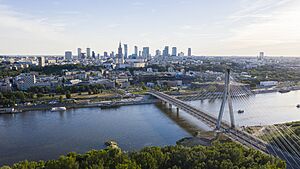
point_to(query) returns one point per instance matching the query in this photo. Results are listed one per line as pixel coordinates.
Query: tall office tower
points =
(189, 51)
(120, 57)
(140, 53)
(79, 53)
(105, 55)
(88, 52)
(157, 53)
(146, 52)
(68, 56)
(41, 61)
(93, 55)
(174, 51)
(136, 51)
(261, 55)
(166, 51)
(125, 51)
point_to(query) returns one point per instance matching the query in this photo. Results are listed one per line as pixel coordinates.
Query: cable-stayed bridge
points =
(283, 148)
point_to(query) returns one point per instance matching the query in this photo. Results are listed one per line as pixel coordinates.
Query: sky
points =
(209, 27)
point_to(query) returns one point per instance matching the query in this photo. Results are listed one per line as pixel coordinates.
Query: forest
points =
(227, 155)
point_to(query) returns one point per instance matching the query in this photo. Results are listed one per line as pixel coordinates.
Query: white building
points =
(25, 81)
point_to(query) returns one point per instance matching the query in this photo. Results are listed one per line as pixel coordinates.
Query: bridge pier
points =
(177, 111)
(170, 106)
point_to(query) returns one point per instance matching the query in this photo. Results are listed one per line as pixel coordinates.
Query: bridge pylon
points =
(226, 98)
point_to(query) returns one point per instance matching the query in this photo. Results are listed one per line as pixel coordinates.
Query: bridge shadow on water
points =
(181, 119)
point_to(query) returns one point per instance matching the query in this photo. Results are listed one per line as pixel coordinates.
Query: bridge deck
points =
(234, 134)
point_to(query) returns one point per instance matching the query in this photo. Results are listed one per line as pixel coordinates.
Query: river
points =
(43, 135)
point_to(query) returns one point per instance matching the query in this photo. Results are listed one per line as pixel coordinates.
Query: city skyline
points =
(234, 28)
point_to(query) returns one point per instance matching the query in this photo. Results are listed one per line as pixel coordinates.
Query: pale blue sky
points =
(210, 27)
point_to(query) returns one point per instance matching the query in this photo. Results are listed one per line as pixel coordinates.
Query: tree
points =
(68, 95)
(61, 99)
(39, 95)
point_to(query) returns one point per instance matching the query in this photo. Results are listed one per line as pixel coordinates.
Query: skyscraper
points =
(88, 52)
(189, 51)
(125, 51)
(68, 55)
(79, 53)
(146, 52)
(93, 55)
(136, 51)
(174, 51)
(166, 51)
(120, 56)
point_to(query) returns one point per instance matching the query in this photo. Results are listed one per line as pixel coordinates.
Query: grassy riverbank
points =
(227, 155)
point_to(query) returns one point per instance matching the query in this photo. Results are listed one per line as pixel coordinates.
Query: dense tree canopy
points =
(219, 156)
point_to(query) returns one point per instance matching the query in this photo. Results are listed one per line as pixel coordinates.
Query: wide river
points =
(42, 135)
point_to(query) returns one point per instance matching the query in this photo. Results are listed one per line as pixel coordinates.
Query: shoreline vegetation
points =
(219, 155)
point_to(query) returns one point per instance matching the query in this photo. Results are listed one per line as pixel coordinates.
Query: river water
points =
(42, 135)
(260, 109)
(45, 135)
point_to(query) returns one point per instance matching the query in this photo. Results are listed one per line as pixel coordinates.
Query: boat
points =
(241, 111)
(9, 111)
(284, 90)
(58, 109)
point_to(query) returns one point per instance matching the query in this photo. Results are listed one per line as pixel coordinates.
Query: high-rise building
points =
(140, 53)
(88, 52)
(166, 51)
(261, 55)
(146, 53)
(105, 54)
(174, 51)
(136, 51)
(93, 55)
(125, 51)
(79, 53)
(120, 56)
(68, 55)
(41, 61)
(189, 51)
(157, 53)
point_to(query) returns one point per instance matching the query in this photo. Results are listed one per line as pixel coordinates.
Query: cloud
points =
(275, 27)
(25, 32)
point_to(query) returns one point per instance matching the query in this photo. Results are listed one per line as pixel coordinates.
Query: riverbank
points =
(103, 105)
